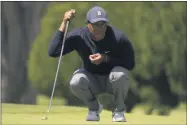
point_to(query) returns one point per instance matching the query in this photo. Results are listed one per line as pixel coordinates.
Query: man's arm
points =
(56, 42)
(126, 58)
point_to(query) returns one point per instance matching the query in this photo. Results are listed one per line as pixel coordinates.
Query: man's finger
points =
(93, 56)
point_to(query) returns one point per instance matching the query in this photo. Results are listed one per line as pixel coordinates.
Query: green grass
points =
(59, 114)
(31, 114)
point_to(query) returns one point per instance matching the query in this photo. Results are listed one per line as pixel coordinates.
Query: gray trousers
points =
(87, 86)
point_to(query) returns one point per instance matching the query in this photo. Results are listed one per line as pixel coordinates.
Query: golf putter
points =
(63, 42)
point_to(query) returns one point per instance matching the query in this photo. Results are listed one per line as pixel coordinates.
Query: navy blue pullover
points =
(115, 44)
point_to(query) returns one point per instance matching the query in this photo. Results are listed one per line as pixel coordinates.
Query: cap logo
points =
(99, 13)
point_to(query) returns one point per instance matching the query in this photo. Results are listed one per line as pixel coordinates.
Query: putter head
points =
(44, 118)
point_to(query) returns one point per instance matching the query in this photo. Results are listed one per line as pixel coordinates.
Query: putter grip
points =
(65, 33)
(66, 29)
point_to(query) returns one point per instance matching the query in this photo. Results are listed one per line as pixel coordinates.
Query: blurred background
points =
(157, 31)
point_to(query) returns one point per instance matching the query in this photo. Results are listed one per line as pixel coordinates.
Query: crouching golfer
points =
(107, 57)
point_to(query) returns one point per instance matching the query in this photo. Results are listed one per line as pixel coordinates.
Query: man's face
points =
(98, 29)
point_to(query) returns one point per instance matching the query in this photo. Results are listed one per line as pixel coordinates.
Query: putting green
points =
(32, 114)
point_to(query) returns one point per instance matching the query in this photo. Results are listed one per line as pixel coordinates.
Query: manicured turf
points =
(31, 114)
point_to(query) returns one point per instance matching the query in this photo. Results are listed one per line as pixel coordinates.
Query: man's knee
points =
(79, 80)
(118, 74)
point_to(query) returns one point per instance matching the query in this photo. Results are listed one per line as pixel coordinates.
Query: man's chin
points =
(99, 36)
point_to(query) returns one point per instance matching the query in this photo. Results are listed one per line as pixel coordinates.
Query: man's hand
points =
(98, 58)
(67, 16)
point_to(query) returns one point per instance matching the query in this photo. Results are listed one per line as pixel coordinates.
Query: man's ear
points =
(88, 24)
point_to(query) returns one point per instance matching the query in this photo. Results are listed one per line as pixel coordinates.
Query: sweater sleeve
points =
(55, 45)
(126, 55)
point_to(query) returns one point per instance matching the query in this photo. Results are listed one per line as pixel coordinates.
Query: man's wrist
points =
(62, 26)
(106, 58)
